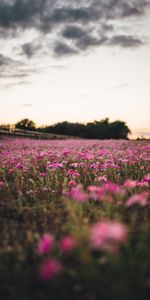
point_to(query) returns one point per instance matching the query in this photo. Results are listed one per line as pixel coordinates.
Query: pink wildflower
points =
(50, 269)
(105, 232)
(130, 183)
(10, 171)
(101, 178)
(77, 194)
(72, 183)
(141, 199)
(45, 244)
(42, 174)
(2, 184)
(19, 166)
(75, 174)
(147, 178)
(67, 244)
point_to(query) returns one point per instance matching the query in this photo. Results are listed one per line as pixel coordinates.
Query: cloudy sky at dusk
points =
(75, 60)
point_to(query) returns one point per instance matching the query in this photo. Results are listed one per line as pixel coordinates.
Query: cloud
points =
(65, 27)
(15, 72)
(73, 32)
(62, 49)
(125, 41)
(89, 41)
(30, 49)
(6, 61)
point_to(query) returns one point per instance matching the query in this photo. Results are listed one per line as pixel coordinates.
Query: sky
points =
(75, 60)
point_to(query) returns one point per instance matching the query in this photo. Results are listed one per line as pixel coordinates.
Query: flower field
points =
(74, 219)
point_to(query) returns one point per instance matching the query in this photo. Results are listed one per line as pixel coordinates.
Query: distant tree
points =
(25, 124)
(119, 130)
(103, 129)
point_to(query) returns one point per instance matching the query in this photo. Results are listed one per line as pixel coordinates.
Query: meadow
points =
(74, 219)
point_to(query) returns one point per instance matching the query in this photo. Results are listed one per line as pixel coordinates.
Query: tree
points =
(119, 130)
(25, 124)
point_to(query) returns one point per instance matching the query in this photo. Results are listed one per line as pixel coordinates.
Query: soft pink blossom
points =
(72, 183)
(50, 269)
(141, 199)
(45, 244)
(19, 166)
(75, 174)
(77, 194)
(67, 244)
(2, 184)
(104, 233)
(130, 183)
(101, 178)
(42, 174)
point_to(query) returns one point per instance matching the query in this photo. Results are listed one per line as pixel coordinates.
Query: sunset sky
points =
(75, 60)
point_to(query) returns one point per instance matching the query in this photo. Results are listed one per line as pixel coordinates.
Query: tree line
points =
(103, 129)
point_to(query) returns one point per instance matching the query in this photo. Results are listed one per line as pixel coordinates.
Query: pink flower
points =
(2, 184)
(67, 244)
(141, 199)
(10, 171)
(104, 233)
(101, 178)
(72, 183)
(147, 178)
(19, 166)
(45, 244)
(42, 174)
(75, 174)
(77, 194)
(143, 183)
(130, 183)
(50, 269)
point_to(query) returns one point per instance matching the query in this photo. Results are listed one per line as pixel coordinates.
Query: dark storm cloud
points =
(20, 12)
(46, 14)
(90, 41)
(125, 41)
(62, 49)
(73, 32)
(15, 70)
(5, 61)
(75, 26)
(30, 49)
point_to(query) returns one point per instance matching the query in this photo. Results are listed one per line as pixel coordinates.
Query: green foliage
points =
(103, 129)
(25, 124)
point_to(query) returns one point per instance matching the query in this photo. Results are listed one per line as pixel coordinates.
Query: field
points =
(74, 219)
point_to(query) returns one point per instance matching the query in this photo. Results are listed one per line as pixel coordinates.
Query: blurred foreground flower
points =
(141, 199)
(67, 244)
(50, 269)
(104, 233)
(45, 244)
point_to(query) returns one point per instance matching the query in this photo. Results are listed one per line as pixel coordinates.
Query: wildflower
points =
(77, 194)
(50, 269)
(2, 184)
(75, 174)
(71, 183)
(10, 171)
(19, 166)
(104, 233)
(67, 244)
(101, 178)
(141, 199)
(130, 183)
(45, 244)
(147, 178)
(42, 174)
